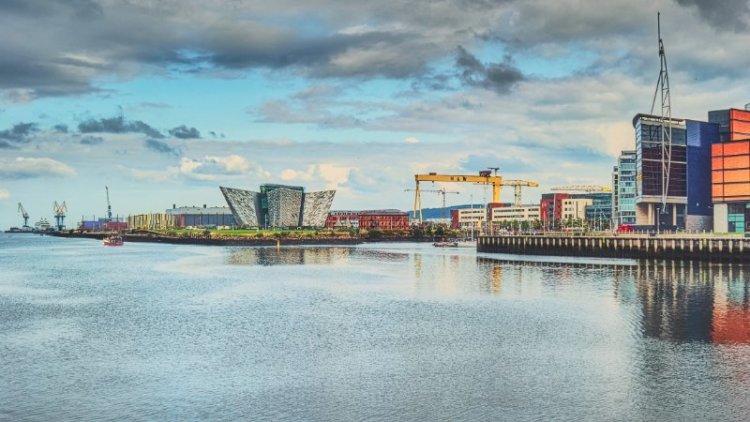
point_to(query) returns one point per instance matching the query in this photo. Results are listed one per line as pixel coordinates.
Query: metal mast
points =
(24, 214)
(665, 119)
(109, 207)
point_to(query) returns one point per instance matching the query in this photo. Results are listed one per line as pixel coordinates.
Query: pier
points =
(719, 249)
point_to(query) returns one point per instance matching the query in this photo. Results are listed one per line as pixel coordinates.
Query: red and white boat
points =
(115, 240)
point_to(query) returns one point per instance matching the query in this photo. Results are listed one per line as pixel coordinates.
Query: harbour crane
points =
(517, 185)
(109, 206)
(582, 188)
(441, 191)
(60, 211)
(485, 177)
(24, 214)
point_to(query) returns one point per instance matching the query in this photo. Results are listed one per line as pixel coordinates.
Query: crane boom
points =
(517, 185)
(24, 214)
(582, 188)
(485, 177)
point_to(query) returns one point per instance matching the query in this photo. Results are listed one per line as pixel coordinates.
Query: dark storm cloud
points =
(724, 14)
(118, 125)
(184, 132)
(61, 128)
(499, 77)
(161, 147)
(91, 140)
(19, 134)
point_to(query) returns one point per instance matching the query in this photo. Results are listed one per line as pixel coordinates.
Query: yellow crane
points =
(582, 188)
(440, 191)
(517, 185)
(485, 177)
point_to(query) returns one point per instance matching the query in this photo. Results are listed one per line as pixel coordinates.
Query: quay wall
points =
(700, 249)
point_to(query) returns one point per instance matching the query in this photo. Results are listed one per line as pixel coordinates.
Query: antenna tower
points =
(665, 119)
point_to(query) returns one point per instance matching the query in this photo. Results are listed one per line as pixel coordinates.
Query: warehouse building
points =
(388, 220)
(202, 216)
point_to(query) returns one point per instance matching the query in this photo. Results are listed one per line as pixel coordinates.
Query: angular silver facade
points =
(315, 207)
(245, 205)
(284, 206)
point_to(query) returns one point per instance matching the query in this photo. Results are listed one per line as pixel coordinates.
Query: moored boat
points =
(115, 240)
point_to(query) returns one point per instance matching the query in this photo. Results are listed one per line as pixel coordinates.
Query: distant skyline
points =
(164, 101)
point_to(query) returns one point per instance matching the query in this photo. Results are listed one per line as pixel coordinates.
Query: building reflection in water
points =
(679, 301)
(269, 256)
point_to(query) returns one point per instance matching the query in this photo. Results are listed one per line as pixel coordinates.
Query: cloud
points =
(19, 134)
(499, 77)
(61, 128)
(28, 168)
(162, 147)
(91, 140)
(118, 124)
(4, 194)
(724, 15)
(208, 168)
(184, 132)
(333, 176)
(411, 140)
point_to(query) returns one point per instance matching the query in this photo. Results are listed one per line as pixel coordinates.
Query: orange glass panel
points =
(717, 163)
(717, 150)
(737, 189)
(717, 191)
(734, 176)
(717, 176)
(741, 126)
(737, 162)
(736, 148)
(739, 114)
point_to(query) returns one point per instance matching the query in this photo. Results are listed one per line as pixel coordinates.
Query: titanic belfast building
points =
(279, 206)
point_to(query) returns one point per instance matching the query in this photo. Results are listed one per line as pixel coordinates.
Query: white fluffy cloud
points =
(27, 168)
(4, 194)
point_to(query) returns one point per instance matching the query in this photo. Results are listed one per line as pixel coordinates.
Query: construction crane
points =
(485, 177)
(582, 188)
(517, 185)
(438, 191)
(60, 211)
(24, 214)
(109, 206)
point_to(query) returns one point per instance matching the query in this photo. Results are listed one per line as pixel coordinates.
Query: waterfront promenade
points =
(693, 247)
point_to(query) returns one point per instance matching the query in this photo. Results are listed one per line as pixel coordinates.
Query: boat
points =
(445, 244)
(114, 240)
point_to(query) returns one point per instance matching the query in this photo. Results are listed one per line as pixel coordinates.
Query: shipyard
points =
(384, 211)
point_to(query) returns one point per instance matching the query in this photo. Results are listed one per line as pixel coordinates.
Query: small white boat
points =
(445, 244)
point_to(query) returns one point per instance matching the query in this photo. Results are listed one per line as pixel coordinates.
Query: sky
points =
(165, 100)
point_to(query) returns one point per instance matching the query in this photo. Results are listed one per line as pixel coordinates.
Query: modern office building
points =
(700, 137)
(599, 213)
(279, 206)
(574, 208)
(660, 179)
(528, 213)
(467, 218)
(550, 208)
(730, 189)
(624, 189)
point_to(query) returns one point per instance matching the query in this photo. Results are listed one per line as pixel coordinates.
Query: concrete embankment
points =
(717, 249)
(216, 241)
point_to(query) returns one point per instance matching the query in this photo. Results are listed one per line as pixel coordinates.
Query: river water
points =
(371, 332)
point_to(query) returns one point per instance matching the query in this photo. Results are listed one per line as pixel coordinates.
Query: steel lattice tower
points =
(663, 92)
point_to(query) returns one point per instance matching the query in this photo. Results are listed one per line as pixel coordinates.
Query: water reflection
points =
(287, 256)
(678, 301)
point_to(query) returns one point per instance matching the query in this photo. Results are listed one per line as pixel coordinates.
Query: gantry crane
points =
(517, 185)
(441, 191)
(485, 177)
(109, 206)
(24, 214)
(60, 211)
(582, 188)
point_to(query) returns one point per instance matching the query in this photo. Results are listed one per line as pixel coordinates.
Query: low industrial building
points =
(387, 220)
(156, 221)
(202, 216)
(278, 206)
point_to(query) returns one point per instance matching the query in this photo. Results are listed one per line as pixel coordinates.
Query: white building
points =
(575, 208)
(522, 213)
(470, 218)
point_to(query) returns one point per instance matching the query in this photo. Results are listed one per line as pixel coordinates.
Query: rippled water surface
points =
(375, 332)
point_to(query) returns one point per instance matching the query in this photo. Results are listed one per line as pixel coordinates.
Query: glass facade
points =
(649, 166)
(700, 137)
(737, 217)
(626, 188)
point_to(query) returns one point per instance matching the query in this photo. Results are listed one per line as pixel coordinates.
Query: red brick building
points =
(374, 219)
(550, 208)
